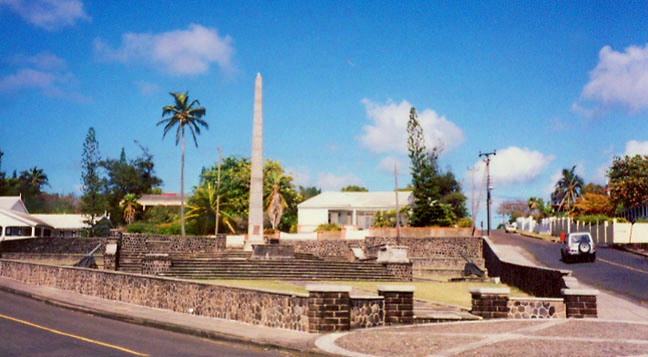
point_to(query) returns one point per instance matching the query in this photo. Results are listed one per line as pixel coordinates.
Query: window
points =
(18, 231)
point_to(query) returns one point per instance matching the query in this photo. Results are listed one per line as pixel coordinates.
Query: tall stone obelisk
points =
(255, 218)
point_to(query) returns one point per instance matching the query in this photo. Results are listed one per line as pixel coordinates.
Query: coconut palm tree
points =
(183, 114)
(275, 203)
(34, 178)
(129, 204)
(568, 188)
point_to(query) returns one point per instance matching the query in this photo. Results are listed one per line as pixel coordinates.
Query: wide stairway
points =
(237, 265)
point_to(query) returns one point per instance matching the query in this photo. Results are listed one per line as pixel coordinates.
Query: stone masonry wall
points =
(536, 308)
(537, 281)
(172, 244)
(52, 245)
(246, 305)
(367, 312)
(433, 247)
(330, 249)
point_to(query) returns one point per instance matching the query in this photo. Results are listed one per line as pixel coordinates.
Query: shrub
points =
(328, 227)
(464, 222)
(594, 219)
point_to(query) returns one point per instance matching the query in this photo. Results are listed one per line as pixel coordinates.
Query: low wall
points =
(330, 249)
(324, 308)
(53, 245)
(495, 303)
(172, 244)
(432, 246)
(533, 280)
(421, 232)
(246, 305)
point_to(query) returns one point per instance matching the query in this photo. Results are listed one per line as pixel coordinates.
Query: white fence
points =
(602, 233)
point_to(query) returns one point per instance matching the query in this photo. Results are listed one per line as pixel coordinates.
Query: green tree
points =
(124, 177)
(354, 188)
(183, 114)
(437, 196)
(308, 192)
(628, 181)
(567, 190)
(93, 203)
(129, 204)
(235, 192)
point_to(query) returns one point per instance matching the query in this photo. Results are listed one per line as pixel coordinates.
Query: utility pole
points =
(472, 198)
(397, 209)
(220, 157)
(489, 187)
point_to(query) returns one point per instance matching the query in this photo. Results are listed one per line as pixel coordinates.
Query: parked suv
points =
(578, 246)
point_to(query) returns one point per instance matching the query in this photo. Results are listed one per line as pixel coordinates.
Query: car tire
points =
(592, 258)
(584, 247)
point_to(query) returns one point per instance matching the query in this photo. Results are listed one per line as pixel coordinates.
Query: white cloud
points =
(619, 78)
(634, 147)
(332, 182)
(43, 60)
(146, 88)
(50, 15)
(388, 130)
(301, 176)
(387, 165)
(514, 165)
(179, 52)
(44, 72)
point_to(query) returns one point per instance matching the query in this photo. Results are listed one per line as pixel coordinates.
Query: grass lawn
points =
(451, 293)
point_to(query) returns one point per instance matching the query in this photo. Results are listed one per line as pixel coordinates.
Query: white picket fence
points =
(602, 233)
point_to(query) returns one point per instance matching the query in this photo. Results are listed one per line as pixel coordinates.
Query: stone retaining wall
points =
(172, 244)
(325, 308)
(52, 245)
(246, 305)
(432, 247)
(329, 249)
(537, 281)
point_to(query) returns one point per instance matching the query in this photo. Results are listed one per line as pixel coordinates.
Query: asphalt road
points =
(615, 271)
(33, 328)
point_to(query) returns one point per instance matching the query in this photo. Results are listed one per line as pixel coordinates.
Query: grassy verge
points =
(451, 293)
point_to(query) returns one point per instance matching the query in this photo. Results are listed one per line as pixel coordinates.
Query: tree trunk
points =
(182, 219)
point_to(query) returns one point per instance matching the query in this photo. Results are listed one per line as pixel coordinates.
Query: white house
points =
(17, 223)
(354, 209)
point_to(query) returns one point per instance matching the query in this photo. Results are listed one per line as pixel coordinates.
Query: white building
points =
(17, 223)
(349, 209)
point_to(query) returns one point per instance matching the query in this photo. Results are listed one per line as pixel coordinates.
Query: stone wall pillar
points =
(399, 304)
(580, 303)
(490, 303)
(329, 308)
(111, 254)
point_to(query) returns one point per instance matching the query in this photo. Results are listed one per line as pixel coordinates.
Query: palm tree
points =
(275, 203)
(35, 178)
(532, 203)
(205, 202)
(568, 188)
(129, 204)
(182, 114)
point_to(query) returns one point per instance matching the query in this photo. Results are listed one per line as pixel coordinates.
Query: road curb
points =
(167, 326)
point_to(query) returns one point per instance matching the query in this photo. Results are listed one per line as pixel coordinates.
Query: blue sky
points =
(547, 84)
